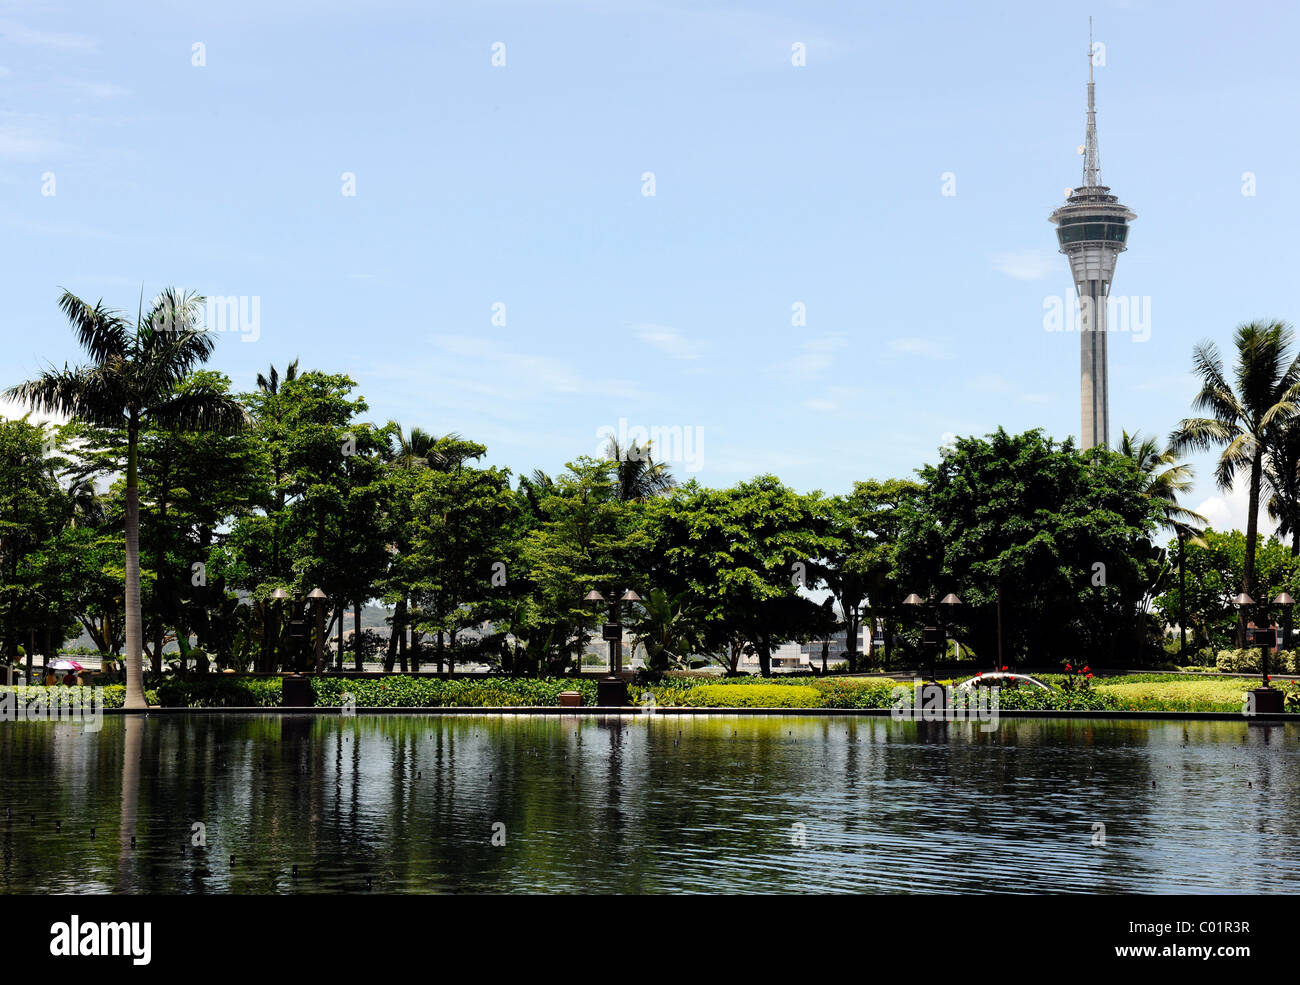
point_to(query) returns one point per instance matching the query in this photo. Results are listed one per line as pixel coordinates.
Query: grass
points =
(1175, 694)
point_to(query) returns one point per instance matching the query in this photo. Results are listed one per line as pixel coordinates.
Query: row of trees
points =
(227, 499)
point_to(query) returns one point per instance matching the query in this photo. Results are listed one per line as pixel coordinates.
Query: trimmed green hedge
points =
(1168, 692)
(432, 692)
(1247, 661)
(754, 696)
(220, 691)
(114, 694)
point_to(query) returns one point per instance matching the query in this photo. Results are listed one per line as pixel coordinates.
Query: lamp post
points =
(1266, 698)
(317, 598)
(934, 637)
(1182, 593)
(612, 690)
(279, 595)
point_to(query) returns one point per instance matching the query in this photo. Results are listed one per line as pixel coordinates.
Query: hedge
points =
(1247, 661)
(114, 694)
(754, 696)
(1145, 692)
(433, 692)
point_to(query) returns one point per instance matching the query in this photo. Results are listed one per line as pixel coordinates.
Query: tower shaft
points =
(1093, 377)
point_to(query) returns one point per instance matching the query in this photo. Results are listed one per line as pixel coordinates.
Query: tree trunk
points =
(134, 669)
(1252, 531)
(356, 637)
(160, 583)
(1182, 598)
(401, 640)
(390, 656)
(338, 659)
(851, 622)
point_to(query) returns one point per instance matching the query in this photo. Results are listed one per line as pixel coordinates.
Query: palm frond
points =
(102, 332)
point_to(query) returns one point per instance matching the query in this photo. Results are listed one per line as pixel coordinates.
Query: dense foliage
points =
(176, 517)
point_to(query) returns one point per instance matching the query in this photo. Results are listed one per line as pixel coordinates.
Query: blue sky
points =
(774, 185)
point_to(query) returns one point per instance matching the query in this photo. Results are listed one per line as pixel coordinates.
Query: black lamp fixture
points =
(934, 638)
(612, 689)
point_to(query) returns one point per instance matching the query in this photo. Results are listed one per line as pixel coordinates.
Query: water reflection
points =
(299, 803)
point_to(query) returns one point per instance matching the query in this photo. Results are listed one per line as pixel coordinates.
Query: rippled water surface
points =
(414, 803)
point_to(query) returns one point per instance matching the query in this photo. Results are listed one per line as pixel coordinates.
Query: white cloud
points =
(669, 341)
(815, 356)
(12, 410)
(1027, 264)
(18, 34)
(21, 142)
(103, 90)
(991, 383)
(522, 373)
(1228, 511)
(926, 348)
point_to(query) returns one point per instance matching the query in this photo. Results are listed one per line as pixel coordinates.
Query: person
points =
(51, 678)
(70, 678)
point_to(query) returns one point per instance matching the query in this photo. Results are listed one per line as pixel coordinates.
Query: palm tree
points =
(639, 477)
(1244, 420)
(421, 449)
(1166, 478)
(270, 383)
(130, 382)
(1282, 479)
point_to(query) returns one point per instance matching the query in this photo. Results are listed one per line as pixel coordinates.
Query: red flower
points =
(1004, 666)
(1085, 670)
(979, 674)
(1068, 667)
(1089, 675)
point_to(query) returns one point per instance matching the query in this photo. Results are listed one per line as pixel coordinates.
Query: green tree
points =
(637, 476)
(741, 556)
(1062, 538)
(131, 382)
(1244, 416)
(460, 521)
(1216, 563)
(32, 511)
(588, 538)
(1167, 478)
(859, 564)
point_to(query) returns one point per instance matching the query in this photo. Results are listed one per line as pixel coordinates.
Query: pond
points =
(663, 803)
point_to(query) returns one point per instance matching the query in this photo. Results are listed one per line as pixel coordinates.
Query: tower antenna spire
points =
(1091, 164)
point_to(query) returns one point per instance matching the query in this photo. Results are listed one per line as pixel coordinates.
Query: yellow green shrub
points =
(753, 696)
